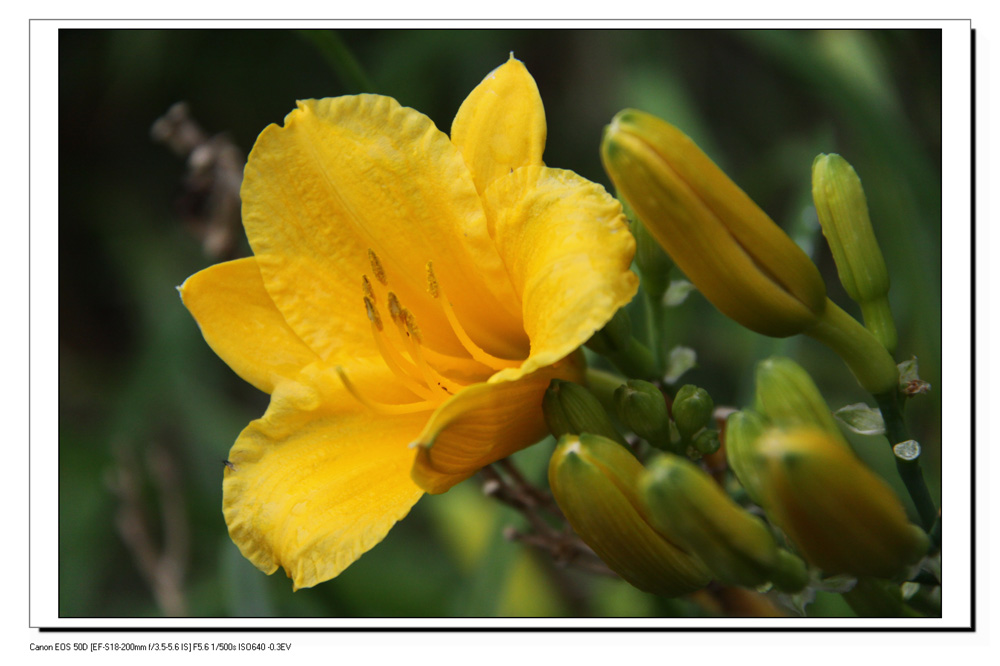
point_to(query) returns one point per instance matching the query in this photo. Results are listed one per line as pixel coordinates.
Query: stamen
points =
(395, 309)
(373, 314)
(432, 283)
(377, 269)
(382, 407)
(411, 325)
(366, 286)
(479, 354)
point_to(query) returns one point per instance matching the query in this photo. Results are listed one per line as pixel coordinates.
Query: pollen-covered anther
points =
(395, 309)
(373, 314)
(411, 325)
(432, 283)
(366, 287)
(377, 269)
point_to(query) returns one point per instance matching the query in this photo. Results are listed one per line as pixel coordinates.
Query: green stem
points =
(654, 328)
(864, 355)
(909, 469)
(635, 361)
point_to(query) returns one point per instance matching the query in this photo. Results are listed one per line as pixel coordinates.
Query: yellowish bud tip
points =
(726, 245)
(842, 517)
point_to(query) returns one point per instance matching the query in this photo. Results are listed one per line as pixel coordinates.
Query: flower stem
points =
(654, 328)
(908, 467)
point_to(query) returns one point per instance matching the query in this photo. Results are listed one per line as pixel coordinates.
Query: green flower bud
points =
(842, 517)
(875, 597)
(595, 483)
(726, 245)
(843, 214)
(787, 396)
(641, 407)
(690, 508)
(742, 430)
(692, 410)
(571, 409)
(706, 442)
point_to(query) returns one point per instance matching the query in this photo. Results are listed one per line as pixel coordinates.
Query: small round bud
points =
(641, 407)
(693, 409)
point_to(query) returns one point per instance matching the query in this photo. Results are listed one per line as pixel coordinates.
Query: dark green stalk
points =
(908, 467)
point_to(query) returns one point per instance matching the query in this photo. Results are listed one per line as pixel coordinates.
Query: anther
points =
(432, 283)
(395, 309)
(411, 325)
(366, 287)
(373, 314)
(377, 267)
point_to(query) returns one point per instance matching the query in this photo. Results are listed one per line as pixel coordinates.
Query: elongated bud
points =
(688, 506)
(571, 409)
(726, 245)
(842, 517)
(595, 483)
(787, 396)
(692, 410)
(743, 428)
(640, 406)
(843, 214)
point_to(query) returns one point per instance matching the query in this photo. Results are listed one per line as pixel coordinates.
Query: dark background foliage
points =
(147, 412)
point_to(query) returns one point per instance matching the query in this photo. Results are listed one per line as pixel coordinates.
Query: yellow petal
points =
(242, 325)
(567, 249)
(318, 481)
(350, 174)
(501, 125)
(484, 423)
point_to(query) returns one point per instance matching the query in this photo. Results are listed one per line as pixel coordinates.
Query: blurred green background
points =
(147, 412)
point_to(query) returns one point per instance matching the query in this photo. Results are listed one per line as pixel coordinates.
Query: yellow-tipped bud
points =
(726, 245)
(742, 430)
(689, 507)
(570, 409)
(787, 396)
(842, 517)
(595, 483)
(843, 214)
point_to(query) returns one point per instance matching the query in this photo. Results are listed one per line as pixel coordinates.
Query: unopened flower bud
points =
(692, 410)
(743, 428)
(706, 442)
(640, 406)
(571, 409)
(842, 517)
(726, 245)
(787, 396)
(595, 483)
(688, 506)
(843, 214)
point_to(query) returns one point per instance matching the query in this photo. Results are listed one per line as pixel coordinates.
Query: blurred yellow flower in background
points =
(409, 300)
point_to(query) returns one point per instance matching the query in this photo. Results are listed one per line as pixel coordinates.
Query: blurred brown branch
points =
(210, 199)
(162, 566)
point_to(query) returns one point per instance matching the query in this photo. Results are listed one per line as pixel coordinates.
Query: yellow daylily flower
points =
(409, 300)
